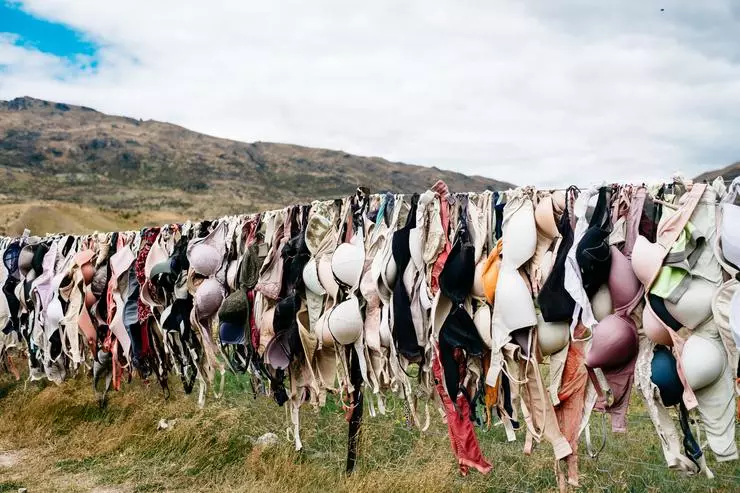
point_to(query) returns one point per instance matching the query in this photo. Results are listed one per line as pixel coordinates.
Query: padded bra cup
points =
(624, 286)
(664, 375)
(695, 306)
(654, 327)
(601, 303)
(514, 300)
(54, 314)
(231, 333)
(326, 276)
(205, 259)
(545, 218)
(482, 321)
(703, 361)
(551, 337)
(347, 262)
(647, 259)
(208, 298)
(345, 321)
(520, 237)
(614, 343)
(88, 271)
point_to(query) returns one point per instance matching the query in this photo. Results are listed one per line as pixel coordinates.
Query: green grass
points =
(69, 444)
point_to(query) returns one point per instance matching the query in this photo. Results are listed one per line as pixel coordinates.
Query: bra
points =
(556, 304)
(614, 341)
(593, 252)
(647, 259)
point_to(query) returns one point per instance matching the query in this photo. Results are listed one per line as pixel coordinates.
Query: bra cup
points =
(232, 272)
(345, 321)
(326, 276)
(275, 352)
(664, 374)
(614, 343)
(311, 278)
(205, 259)
(88, 272)
(654, 328)
(624, 286)
(478, 290)
(515, 300)
(695, 306)
(520, 237)
(321, 330)
(703, 362)
(347, 263)
(647, 258)
(208, 298)
(89, 299)
(489, 273)
(601, 303)
(390, 273)
(54, 314)
(267, 332)
(730, 233)
(558, 200)
(482, 321)
(551, 336)
(367, 285)
(415, 247)
(545, 218)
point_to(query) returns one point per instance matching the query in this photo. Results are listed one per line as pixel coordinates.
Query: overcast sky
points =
(551, 93)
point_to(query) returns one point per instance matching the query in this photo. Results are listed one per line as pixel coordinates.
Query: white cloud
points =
(555, 93)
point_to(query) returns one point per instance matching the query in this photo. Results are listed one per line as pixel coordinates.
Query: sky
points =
(542, 92)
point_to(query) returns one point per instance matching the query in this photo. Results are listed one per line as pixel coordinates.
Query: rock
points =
(22, 490)
(166, 424)
(266, 440)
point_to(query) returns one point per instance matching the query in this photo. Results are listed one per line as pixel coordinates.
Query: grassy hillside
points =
(73, 154)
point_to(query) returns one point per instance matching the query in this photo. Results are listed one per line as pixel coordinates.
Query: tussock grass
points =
(69, 444)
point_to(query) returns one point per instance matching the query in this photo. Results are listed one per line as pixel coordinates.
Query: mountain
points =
(729, 173)
(60, 153)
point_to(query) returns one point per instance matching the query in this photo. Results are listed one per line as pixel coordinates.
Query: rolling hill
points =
(53, 153)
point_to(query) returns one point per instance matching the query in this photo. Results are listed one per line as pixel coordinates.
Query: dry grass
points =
(53, 217)
(66, 443)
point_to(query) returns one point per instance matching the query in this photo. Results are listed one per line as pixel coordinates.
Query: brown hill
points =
(728, 173)
(64, 153)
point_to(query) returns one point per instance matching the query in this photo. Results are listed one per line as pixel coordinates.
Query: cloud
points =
(549, 94)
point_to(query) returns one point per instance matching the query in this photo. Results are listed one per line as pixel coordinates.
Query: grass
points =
(68, 444)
